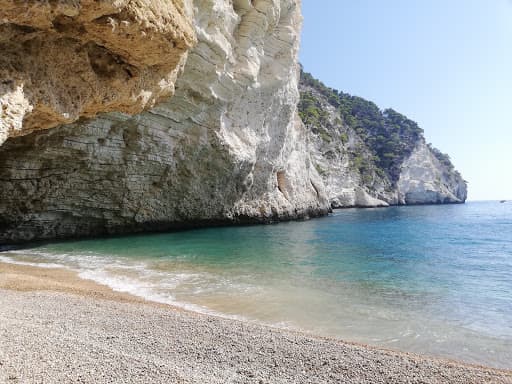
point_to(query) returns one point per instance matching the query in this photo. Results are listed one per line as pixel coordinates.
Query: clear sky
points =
(447, 64)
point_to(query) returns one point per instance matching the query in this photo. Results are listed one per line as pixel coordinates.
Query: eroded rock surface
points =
(228, 147)
(424, 179)
(370, 158)
(62, 60)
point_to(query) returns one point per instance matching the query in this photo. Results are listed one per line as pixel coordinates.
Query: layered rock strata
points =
(228, 147)
(62, 60)
(368, 158)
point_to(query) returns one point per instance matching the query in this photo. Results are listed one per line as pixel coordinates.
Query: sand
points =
(57, 328)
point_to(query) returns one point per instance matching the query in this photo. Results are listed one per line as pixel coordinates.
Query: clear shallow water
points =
(430, 279)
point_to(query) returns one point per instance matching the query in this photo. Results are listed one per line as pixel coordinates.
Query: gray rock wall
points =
(228, 147)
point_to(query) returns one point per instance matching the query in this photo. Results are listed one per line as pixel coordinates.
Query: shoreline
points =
(8, 244)
(39, 290)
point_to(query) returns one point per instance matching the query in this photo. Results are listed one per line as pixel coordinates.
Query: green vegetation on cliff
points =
(389, 135)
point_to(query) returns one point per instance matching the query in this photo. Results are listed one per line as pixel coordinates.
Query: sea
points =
(434, 280)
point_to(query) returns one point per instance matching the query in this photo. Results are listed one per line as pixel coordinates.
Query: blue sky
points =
(446, 64)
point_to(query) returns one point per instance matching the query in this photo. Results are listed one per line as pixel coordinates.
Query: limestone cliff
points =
(61, 60)
(368, 157)
(228, 147)
(426, 178)
(219, 139)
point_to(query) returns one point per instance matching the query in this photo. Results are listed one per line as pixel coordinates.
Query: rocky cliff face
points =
(227, 147)
(426, 179)
(62, 60)
(368, 157)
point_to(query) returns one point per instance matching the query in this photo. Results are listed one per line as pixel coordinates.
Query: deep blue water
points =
(428, 279)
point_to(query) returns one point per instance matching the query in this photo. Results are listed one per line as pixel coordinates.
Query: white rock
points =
(424, 180)
(228, 147)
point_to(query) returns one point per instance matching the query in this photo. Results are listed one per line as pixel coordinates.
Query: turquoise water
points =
(430, 279)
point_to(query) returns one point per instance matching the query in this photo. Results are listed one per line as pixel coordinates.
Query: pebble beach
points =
(57, 328)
